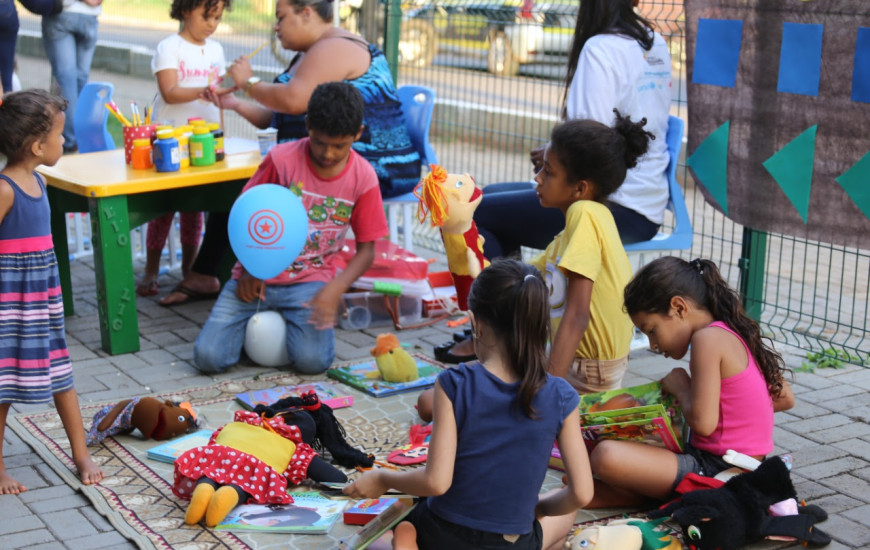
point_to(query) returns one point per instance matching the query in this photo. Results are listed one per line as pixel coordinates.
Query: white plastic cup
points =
(267, 139)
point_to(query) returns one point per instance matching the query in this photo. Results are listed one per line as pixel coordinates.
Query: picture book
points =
(366, 510)
(172, 449)
(328, 394)
(365, 377)
(374, 529)
(310, 513)
(641, 413)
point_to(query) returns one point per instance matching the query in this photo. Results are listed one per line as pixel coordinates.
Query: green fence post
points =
(751, 265)
(391, 37)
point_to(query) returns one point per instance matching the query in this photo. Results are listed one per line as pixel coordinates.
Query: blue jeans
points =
(219, 344)
(69, 40)
(510, 216)
(8, 36)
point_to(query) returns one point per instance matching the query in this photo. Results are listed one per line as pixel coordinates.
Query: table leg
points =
(113, 264)
(61, 249)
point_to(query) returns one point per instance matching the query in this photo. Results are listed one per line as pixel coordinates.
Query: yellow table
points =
(118, 198)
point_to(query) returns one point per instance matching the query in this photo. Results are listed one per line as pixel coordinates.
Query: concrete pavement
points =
(827, 433)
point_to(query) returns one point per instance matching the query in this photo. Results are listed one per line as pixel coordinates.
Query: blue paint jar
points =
(167, 156)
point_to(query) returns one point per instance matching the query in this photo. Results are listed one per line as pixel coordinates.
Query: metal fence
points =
(497, 68)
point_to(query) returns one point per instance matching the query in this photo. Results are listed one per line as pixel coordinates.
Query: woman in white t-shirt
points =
(618, 62)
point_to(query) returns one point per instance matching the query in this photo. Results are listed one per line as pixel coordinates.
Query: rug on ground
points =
(136, 495)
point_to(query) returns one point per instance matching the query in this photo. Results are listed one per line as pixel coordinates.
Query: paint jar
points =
(167, 157)
(183, 147)
(132, 133)
(140, 157)
(218, 140)
(201, 146)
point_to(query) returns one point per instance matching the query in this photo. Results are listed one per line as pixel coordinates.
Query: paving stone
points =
(53, 492)
(809, 425)
(29, 477)
(832, 396)
(25, 539)
(831, 467)
(68, 525)
(814, 455)
(48, 546)
(855, 446)
(843, 432)
(109, 539)
(835, 503)
(14, 507)
(849, 485)
(847, 531)
(23, 526)
(63, 503)
(98, 520)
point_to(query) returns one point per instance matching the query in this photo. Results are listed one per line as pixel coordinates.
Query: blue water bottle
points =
(167, 157)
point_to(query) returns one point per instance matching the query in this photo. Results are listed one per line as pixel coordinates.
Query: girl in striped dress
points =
(34, 360)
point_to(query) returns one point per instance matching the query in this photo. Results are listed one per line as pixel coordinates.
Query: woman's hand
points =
(536, 155)
(369, 485)
(222, 97)
(240, 71)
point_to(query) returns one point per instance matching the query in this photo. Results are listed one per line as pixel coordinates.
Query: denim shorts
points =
(700, 462)
(435, 533)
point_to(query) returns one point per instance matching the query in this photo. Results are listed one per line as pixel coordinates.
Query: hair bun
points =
(636, 138)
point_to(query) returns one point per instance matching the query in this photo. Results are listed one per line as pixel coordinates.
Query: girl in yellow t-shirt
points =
(585, 265)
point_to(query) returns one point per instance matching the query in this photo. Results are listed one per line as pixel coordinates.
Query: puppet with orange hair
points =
(450, 200)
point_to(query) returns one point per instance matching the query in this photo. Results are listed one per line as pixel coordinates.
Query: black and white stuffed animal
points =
(735, 514)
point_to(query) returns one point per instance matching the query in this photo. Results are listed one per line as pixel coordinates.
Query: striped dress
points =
(385, 142)
(34, 360)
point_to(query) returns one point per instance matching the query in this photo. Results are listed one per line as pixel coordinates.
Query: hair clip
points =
(697, 265)
(529, 276)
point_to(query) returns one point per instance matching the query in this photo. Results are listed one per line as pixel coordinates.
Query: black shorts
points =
(700, 462)
(435, 533)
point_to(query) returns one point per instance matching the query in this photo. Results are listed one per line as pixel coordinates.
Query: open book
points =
(640, 413)
(172, 449)
(329, 394)
(365, 377)
(310, 513)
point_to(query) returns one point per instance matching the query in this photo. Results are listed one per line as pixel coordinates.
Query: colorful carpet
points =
(136, 494)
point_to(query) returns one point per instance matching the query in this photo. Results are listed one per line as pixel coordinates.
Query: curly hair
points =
(336, 109)
(26, 117)
(593, 151)
(181, 7)
(651, 290)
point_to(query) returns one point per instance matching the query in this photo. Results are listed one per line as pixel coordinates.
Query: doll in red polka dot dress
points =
(250, 460)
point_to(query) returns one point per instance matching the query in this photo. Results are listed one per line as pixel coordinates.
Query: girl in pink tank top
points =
(733, 385)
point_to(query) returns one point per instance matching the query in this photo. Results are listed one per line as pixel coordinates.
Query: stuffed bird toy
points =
(450, 201)
(394, 363)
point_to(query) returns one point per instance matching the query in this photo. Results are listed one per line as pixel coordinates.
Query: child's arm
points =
(7, 197)
(436, 477)
(575, 319)
(699, 392)
(578, 491)
(167, 82)
(785, 400)
(324, 305)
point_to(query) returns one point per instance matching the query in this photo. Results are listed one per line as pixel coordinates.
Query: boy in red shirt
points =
(339, 190)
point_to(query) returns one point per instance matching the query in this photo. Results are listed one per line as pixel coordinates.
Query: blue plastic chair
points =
(680, 238)
(418, 102)
(89, 120)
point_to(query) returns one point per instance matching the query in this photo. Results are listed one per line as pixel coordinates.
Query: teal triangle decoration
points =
(710, 164)
(856, 183)
(792, 168)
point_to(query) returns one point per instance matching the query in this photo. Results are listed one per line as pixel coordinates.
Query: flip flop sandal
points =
(445, 354)
(151, 289)
(190, 296)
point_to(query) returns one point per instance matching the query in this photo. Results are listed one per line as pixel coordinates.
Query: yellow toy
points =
(450, 200)
(394, 363)
(624, 534)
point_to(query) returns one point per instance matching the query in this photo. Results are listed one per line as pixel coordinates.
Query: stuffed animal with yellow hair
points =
(450, 200)
(393, 362)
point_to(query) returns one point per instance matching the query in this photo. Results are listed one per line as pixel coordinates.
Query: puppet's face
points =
(706, 527)
(462, 198)
(173, 420)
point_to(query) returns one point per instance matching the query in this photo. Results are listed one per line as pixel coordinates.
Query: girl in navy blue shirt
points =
(493, 429)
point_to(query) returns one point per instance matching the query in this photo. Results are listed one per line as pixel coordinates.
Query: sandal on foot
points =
(445, 354)
(148, 289)
(190, 294)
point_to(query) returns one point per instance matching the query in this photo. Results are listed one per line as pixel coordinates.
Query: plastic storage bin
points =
(362, 310)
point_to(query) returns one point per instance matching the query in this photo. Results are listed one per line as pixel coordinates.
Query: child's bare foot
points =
(89, 471)
(405, 536)
(148, 286)
(9, 485)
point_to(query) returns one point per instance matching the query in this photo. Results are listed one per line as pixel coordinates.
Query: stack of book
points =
(639, 413)
(365, 377)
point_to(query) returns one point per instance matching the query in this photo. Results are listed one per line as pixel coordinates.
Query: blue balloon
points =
(267, 229)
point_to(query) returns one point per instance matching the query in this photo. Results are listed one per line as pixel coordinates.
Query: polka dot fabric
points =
(228, 466)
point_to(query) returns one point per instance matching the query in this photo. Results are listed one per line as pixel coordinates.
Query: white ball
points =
(266, 339)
